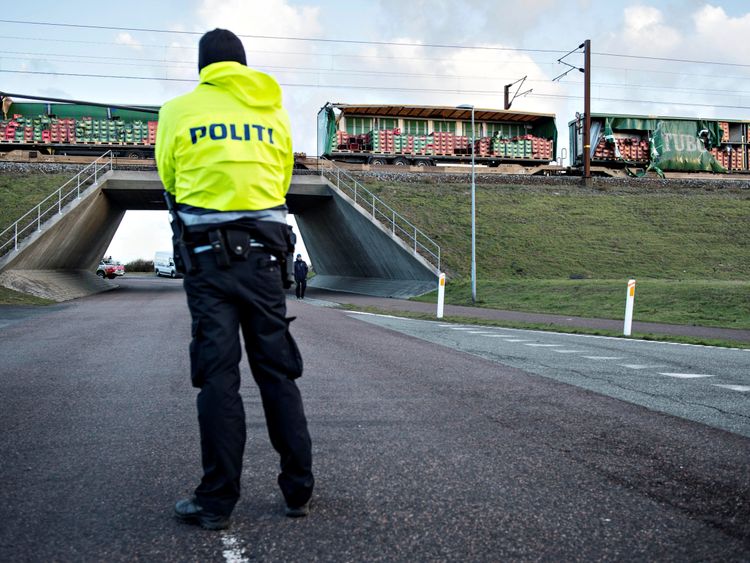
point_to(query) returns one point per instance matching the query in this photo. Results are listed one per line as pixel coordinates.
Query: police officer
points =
(224, 153)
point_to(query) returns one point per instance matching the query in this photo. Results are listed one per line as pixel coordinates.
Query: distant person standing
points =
(300, 276)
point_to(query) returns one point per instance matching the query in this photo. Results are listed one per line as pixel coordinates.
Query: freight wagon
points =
(662, 143)
(430, 135)
(75, 129)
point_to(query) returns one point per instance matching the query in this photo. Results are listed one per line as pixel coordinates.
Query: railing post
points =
(15, 237)
(393, 223)
(415, 240)
(373, 207)
(39, 218)
(59, 200)
(78, 185)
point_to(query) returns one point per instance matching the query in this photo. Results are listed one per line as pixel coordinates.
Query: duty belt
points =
(226, 244)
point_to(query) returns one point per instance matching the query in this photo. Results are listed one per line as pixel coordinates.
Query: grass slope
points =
(551, 232)
(20, 192)
(570, 250)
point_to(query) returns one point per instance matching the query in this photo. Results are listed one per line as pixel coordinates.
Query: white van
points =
(164, 265)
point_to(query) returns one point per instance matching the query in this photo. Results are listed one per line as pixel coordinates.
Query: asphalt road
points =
(455, 450)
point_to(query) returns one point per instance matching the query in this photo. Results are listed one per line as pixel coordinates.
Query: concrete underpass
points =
(350, 251)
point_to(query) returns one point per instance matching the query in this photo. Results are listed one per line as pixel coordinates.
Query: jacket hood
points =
(251, 87)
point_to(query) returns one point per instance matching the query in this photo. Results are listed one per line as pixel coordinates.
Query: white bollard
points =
(630, 298)
(441, 296)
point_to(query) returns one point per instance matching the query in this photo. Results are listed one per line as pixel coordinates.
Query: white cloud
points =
(472, 20)
(124, 38)
(645, 28)
(717, 32)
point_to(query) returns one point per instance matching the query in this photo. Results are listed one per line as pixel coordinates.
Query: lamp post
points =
(473, 210)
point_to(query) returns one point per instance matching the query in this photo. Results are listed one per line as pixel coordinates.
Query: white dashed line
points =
(517, 340)
(489, 335)
(461, 328)
(640, 366)
(543, 345)
(603, 357)
(740, 388)
(478, 332)
(687, 375)
(568, 351)
(233, 551)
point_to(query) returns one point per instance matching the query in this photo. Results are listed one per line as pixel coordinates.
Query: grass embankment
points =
(10, 297)
(20, 192)
(570, 250)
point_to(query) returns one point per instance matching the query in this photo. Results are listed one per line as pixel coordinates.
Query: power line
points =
(670, 60)
(669, 103)
(160, 64)
(493, 93)
(376, 57)
(288, 38)
(364, 42)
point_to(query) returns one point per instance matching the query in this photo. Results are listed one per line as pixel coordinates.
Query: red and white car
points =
(110, 269)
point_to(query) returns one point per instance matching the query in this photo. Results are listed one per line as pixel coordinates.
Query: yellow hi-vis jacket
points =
(226, 145)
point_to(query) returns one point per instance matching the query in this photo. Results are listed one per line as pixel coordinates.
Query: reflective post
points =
(473, 215)
(441, 296)
(629, 300)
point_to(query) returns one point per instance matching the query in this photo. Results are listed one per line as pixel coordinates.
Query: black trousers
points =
(301, 286)
(247, 295)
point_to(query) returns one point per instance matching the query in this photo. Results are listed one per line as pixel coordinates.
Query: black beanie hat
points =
(220, 45)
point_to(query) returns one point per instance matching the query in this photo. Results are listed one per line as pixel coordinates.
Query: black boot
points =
(189, 511)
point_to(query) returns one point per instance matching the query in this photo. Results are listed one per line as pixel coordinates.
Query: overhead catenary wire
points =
(162, 64)
(333, 55)
(366, 42)
(286, 38)
(492, 93)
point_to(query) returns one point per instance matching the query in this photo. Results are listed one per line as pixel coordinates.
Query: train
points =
(418, 136)
(431, 135)
(78, 129)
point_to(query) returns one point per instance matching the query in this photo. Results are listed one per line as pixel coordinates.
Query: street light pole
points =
(473, 209)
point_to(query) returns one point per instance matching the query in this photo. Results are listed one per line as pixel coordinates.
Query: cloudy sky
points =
(658, 57)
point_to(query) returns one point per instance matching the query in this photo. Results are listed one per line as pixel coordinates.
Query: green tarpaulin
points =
(682, 146)
(675, 144)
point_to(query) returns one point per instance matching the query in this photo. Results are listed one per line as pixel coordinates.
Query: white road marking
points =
(687, 375)
(741, 388)
(233, 551)
(603, 357)
(568, 351)
(544, 345)
(639, 366)
(517, 340)
(478, 332)
(461, 328)
(566, 334)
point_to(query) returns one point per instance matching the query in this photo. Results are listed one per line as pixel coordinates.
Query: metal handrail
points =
(382, 212)
(53, 204)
